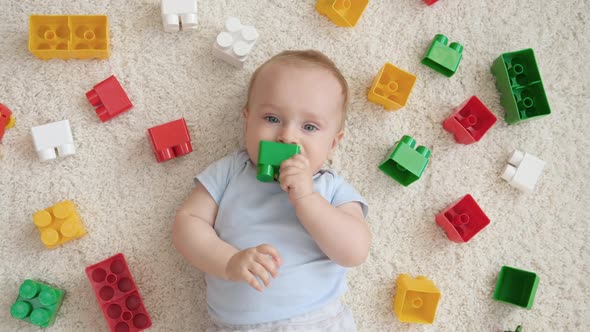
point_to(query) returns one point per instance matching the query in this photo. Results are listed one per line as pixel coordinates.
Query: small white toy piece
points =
(523, 170)
(51, 137)
(235, 43)
(179, 14)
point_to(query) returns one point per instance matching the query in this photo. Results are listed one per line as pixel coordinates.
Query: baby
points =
(302, 231)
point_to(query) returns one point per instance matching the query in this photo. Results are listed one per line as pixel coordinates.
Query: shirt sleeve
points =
(344, 192)
(216, 176)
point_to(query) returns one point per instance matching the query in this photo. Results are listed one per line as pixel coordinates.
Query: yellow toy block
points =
(59, 224)
(392, 87)
(416, 299)
(344, 13)
(69, 36)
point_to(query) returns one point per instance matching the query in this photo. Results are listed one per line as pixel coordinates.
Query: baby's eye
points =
(309, 127)
(271, 119)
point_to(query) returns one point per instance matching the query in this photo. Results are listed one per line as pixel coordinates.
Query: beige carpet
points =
(127, 201)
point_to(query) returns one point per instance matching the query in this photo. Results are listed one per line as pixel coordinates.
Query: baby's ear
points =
(245, 112)
(336, 140)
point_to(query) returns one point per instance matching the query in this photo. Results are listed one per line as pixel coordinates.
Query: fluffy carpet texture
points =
(128, 201)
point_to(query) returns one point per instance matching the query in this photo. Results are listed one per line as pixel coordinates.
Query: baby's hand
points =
(257, 261)
(295, 177)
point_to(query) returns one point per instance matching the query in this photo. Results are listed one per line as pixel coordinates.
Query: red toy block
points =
(109, 98)
(117, 295)
(170, 140)
(462, 220)
(6, 119)
(470, 121)
(430, 2)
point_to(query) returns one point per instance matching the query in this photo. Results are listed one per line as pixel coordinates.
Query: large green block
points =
(442, 57)
(521, 89)
(270, 157)
(516, 287)
(405, 163)
(37, 303)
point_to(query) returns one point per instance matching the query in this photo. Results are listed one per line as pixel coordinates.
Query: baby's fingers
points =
(270, 250)
(251, 280)
(259, 271)
(268, 263)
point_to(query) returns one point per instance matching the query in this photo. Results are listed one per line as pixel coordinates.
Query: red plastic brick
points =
(109, 98)
(430, 2)
(462, 220)
(170, 140)
(117, 295)
(470, 121)
(5, 114)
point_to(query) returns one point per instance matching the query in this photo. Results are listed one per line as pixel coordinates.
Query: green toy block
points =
(516, 287)
(270, 157)
(521, 89)
(518, 329)
(443, 58)
(37, 303)
(406, 164)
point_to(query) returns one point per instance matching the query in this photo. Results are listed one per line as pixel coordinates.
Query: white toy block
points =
(51, 137)
(179, 14)
(235, 43)
(523, 170)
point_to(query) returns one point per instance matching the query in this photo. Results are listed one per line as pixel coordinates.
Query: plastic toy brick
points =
(391, 88)
(521, 89)
(117, 295)
(416, 299)
(523, 170)
(6, 120)
(462, 220)
(109, 98)
(270, 157)
(430, 2)
(518, 329)
(179, 14)
(405, 163)
(53, 139)
(442, 57)
(69, 36)
(516, 287)
(235, 43)
(59, 224)
(470, 121)
(170, 140)
(344, 13)
(37, 303)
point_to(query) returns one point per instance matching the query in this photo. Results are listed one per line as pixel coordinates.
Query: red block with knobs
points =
(470, 121)
(6, 119)
(109, 98)
(170, 140)
(430, 2)
(462, 220)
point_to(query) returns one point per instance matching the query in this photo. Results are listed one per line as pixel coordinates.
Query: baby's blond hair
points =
(307, 57)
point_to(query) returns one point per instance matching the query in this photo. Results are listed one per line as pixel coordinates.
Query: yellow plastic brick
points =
(59, 224)
(69, 36)
(391, 88)
(11, 122)
(416, 299)
(344, 13)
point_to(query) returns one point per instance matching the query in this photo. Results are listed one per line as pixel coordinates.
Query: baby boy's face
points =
(297, 104)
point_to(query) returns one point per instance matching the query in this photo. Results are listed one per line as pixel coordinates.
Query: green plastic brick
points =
(516, 287)
(518, 329)
(37, 303)
(521, 89)
(442, 57)
(270, 157)
(405, 163)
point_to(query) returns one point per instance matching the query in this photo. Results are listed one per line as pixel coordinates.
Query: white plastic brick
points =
(523, 170)
(52, 137)
(179, 14)
(234, 44)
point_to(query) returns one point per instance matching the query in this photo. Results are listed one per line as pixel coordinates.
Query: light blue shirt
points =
(251, 213)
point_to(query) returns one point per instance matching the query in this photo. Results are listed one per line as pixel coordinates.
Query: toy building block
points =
(416, 299)
(37, 303)
(523, 170)
(391, 88)
(430, 2)
(117, 295)
(521, 89)
(6, 120)
(270, 157)
(405, 163)
(470, 121)
(53, 137)
(344, 13)
(235, 43)
(442, 57)
(170, 140)
(59, 224)
(462, 220)
(518, 329)
(179, 14)
(69, 36)
(109, 98)
(516, 287)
